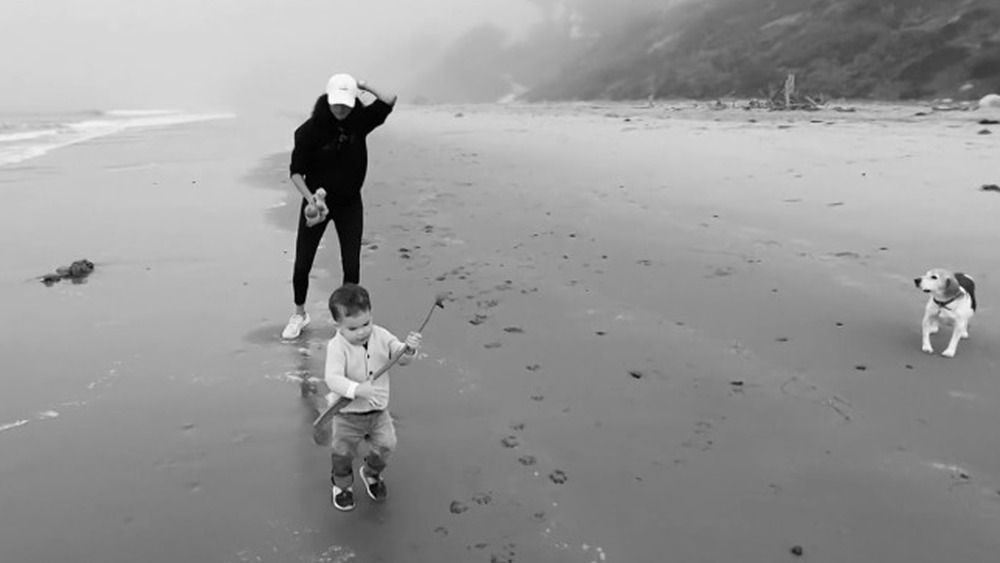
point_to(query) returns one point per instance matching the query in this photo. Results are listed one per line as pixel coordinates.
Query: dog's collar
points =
(944, 304)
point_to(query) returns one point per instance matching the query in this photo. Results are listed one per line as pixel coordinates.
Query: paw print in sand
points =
(558, 477)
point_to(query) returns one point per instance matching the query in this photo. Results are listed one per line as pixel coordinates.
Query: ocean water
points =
(26, 136)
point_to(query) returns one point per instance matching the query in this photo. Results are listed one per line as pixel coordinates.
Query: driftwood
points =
(788, 97)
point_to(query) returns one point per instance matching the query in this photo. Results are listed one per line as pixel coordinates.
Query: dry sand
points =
(676, 334)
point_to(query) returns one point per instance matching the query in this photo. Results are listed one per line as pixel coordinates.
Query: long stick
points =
(342, 402)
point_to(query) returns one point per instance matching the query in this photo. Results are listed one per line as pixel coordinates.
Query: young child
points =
(357, 351)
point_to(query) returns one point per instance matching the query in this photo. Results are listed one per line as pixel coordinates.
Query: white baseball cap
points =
(342, 89)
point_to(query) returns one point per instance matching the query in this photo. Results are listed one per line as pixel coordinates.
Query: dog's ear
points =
(951, 287)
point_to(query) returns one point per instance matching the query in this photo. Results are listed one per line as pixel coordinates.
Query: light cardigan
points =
(348, 365)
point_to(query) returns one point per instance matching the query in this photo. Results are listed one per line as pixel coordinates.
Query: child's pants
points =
(349, 430)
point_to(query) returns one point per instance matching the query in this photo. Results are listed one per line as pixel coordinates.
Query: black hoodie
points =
(331, 153)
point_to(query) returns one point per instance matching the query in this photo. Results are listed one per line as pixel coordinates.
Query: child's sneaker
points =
(374, 485)
(295, 325)
(343, 499)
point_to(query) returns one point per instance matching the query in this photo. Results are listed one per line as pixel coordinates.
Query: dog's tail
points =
(969, 285)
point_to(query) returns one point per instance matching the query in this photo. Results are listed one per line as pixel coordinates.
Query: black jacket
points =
(333, 154)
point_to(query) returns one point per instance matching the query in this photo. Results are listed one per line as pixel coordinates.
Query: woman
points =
(330, 153)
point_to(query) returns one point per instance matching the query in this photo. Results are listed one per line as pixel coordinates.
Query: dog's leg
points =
(956, 335)
(930, 326)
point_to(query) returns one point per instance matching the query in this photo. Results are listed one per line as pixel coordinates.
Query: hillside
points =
(863, 49)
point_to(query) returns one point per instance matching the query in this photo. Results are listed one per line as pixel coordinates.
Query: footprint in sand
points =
(510, 442)
(491, 345)
(514, 330)
(538, 397)
(517, 426)
(721, 272)
(441, 531)
(457, 507)
(533, 367)
(527, 460)
(737, 387)
(478, 319)
(800, 389)
(505, 554)
(457, 271)
(702, 439)
(487, 303)
(507, 285)
(847, 255)
(482, 499)
(558, 477)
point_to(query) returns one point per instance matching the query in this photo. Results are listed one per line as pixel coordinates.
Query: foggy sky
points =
(222, 54)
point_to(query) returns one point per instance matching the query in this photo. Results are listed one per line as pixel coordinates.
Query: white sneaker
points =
(295, 325)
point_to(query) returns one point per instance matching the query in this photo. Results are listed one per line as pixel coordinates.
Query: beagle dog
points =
(952, 300)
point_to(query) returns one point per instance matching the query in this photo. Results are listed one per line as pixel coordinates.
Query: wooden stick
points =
(342, 402)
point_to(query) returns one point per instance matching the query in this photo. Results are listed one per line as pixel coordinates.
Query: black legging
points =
(348, 219)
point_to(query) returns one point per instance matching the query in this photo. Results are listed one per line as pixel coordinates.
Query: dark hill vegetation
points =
(636, 49)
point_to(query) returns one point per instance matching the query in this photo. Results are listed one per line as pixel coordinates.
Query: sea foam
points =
(33, 136)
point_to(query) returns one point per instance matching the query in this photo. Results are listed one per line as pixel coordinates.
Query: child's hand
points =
(413, 342)
(372, 393)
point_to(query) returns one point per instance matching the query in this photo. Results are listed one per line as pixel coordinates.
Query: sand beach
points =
(673, 333)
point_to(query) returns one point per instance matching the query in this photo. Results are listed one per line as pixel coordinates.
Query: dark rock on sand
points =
(77, 271)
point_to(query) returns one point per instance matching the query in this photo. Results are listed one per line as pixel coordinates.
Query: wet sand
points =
(673, 334)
